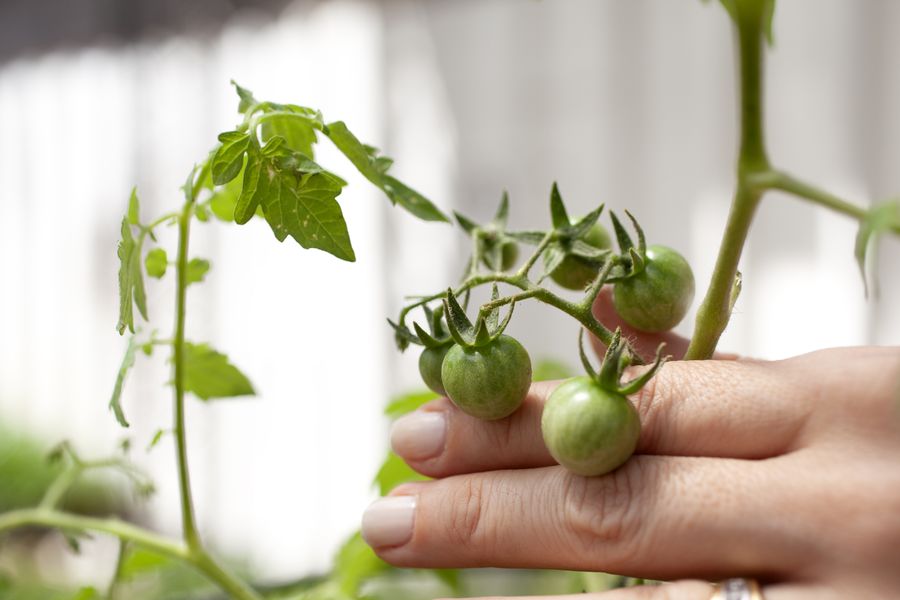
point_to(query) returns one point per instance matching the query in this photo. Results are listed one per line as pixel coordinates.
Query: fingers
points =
(656, 517)
(732, 409)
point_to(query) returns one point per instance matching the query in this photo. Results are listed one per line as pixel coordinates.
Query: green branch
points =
(715, 310)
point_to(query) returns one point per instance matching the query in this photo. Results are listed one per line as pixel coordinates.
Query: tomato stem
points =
(715, 311)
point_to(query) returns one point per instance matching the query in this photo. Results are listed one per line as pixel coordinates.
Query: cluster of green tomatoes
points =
(588, 423)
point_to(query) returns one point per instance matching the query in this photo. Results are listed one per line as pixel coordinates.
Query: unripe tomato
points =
(509, 253)
(588, 429)
(490, 381)
(575, 272)
(657, 298)
(430, 362)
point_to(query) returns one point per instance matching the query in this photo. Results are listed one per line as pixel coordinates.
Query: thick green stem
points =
(715, 311)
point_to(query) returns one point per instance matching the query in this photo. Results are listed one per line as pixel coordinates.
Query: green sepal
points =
(467, 224)
(625, 242)
(482, 333)
(581, 227)
(558, 215)
(637, 261)
(585, 362)
(639, 382)
(403, 337)
(461, 328)
(427, 340)
(502, 213)
(642, 241)
(586, 251)
(493, 317)
(609, 374)
(528, 237)
(553, 257)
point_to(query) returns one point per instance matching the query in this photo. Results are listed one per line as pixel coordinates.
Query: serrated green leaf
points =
(247, 99)
(156, 263)
(306, 209)
(298, 134)
(229, 158)
(208, 374)
(415, 203)
(255, 186)
(131, 279)
(224, 199)
(393, 472)
(134, 208)
(197, 268)
(407, 403)
(115, 401)
(374, 169)
(877, 220)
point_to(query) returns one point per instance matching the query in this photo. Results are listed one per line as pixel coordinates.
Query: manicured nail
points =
(389, 521)
(420, 435)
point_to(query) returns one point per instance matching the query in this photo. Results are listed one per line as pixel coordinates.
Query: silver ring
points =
(737, 588)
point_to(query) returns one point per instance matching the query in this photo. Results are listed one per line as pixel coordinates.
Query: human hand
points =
(788, 471)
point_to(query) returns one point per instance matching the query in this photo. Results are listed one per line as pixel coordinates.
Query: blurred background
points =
(627, 103)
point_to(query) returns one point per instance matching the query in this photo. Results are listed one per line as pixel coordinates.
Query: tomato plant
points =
(575, 272)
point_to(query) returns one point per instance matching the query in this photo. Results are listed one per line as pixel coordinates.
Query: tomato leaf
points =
(196, 270)
(156, 263)
(115, 401)
(229, 158)
(878, 220)
(131, 279)
(298, 134)
(247, 99)
(306, 209)
(208, 374)
(374, 168)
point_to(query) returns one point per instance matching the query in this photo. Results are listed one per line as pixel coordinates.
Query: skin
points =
(489, 382)
(787, 471)
(657, 298)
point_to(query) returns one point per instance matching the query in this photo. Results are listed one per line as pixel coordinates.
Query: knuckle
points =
(601, 513)
(464, 526)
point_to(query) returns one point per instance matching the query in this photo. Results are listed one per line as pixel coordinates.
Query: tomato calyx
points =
(493, 246)
(487, 328)
(632, 257)
(568, 239)
(616, 359)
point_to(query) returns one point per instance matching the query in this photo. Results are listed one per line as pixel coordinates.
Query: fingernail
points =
(419, 435)
(389, 521)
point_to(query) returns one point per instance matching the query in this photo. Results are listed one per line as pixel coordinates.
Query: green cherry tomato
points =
(509, 253)
(430, 362)
(574, 272)
(588, 429)
(657, 298)
(490, 381)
